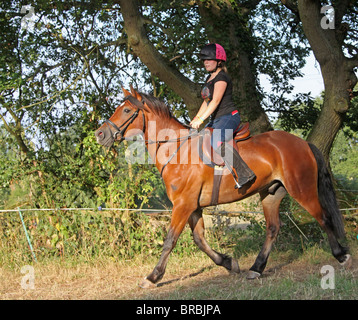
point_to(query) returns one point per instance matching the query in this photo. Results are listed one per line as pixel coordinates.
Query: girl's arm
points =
(206, 110)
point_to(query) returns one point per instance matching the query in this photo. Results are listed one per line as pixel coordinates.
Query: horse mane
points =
(157, 106)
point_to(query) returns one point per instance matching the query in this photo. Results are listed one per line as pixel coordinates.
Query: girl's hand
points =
(196, 123)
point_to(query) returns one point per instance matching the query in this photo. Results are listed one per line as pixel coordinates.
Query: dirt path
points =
(195, 277)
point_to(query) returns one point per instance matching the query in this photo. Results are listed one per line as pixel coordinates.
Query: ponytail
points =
(222, 65)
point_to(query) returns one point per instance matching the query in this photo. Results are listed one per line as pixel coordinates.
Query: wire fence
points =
(146, 211)
(160, 212)
(88, 209)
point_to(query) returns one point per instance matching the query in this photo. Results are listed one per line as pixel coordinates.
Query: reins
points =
(192, 133)
(176, 151)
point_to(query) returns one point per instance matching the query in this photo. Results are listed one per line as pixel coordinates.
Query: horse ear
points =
(132, 90)
(135, 94)
(126, 92)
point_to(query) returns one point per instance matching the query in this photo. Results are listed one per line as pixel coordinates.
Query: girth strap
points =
(216, 185)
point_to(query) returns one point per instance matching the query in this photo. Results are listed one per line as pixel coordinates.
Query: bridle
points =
(124, 126)
(122, 129)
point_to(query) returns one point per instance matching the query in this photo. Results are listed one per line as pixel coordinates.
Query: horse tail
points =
(327, 196)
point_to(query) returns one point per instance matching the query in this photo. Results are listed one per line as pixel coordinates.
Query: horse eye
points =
(127, 110)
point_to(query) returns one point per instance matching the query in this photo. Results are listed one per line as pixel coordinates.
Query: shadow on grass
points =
(192, 275)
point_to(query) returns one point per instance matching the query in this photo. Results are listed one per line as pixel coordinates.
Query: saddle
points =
(207, 153)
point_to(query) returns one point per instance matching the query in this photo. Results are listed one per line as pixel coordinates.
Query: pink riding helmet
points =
(213, 51)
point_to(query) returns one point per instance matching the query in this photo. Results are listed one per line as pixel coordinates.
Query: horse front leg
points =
(196, 223)
(180, 215)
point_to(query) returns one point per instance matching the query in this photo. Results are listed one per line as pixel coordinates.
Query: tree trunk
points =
(335, 105)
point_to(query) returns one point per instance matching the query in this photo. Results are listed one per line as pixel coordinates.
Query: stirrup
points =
(247, 180)
(237, 185)
(236, 180)
(230, 168)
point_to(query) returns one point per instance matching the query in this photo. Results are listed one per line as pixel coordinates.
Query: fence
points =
(146, 212)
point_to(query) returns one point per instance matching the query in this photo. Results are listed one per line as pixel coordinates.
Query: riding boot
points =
(232, 160)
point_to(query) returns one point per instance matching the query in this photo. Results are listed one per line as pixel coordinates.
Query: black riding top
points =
(226, 104)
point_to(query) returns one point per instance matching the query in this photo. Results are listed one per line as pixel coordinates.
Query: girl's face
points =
(210, 65)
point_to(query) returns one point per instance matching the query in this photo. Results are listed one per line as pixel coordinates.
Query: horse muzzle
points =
(105, 136)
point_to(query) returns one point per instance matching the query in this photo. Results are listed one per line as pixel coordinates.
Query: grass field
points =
(105, 257)
(287, 276)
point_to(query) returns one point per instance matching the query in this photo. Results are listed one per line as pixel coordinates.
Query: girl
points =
(225, 118)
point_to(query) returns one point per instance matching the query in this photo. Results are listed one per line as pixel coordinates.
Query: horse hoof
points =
(146, 284)
(234, 266)
(347, 263)
(253, 275)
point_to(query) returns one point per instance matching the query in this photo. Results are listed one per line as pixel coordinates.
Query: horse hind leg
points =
(196, 223)
(314, 207)
(319, 199)
(271, 203)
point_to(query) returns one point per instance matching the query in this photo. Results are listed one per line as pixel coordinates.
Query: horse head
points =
(125, 121)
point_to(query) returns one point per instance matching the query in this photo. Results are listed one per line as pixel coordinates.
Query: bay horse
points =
(282, 162)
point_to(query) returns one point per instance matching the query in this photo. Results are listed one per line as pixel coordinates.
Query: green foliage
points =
(299, 114)
(77, 172)
(281, 49)
(59, 80)
(85, 235)
(351, 118)
(344, 159)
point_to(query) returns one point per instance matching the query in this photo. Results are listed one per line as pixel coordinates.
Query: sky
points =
(311, 81)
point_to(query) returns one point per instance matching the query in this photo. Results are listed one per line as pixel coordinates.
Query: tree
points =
(333, 39)
(218, 18)
(56, 77)
(65, 70)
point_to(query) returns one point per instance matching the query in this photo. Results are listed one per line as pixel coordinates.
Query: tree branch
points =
(58, 92)
(6, 125)
(15, 132)
(92, 77)
(157, 64)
